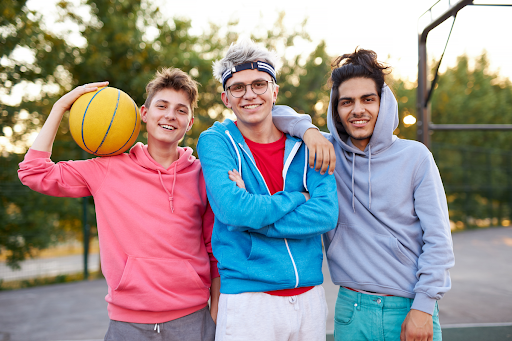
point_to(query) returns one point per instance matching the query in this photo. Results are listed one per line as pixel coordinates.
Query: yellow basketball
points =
(105, 122)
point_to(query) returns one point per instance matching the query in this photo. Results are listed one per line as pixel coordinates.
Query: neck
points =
(163, 155)
(360, 144)
(263, 132)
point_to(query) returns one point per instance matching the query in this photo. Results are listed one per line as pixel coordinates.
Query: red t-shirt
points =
(269, 159)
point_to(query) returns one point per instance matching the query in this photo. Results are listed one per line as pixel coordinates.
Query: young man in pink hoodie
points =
(154, 220)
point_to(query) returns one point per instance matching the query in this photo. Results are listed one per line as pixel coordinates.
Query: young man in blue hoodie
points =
(392, 248)
(267, 228)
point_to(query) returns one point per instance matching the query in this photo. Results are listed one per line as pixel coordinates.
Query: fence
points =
(478, 184)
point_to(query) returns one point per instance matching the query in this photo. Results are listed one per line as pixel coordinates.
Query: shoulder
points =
(413, 147)
(218, 128)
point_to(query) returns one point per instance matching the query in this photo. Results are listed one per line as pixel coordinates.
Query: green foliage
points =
(475, 165)
(305, 86)
(406, 97)
(37, 282)
(124, 42)
(30, 221)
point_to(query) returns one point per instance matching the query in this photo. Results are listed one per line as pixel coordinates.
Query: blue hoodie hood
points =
(265, 242)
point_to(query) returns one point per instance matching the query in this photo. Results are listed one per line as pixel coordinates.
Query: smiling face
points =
(358, 109)
(251, 109)
(168, 118)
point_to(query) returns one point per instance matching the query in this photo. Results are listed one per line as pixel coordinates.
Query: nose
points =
(249, 93)
(358, 108)
(170, 114)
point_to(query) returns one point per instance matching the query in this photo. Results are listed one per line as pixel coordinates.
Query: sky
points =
(390, 27)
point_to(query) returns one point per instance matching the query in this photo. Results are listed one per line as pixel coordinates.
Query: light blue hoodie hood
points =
(381, 139)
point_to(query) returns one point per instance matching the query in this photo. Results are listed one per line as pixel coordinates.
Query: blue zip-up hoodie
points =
(393, 234)
(265, 242)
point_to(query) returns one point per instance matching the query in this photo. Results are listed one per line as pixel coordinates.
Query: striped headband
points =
(260, 66)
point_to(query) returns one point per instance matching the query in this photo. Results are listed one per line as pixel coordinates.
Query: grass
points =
(40, 281)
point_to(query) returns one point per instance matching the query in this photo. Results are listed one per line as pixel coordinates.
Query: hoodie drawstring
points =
(237, 153)
(370, 176)
(170, 195)
(369, 179)
(353, 193)
(157, 327)
(306, 161)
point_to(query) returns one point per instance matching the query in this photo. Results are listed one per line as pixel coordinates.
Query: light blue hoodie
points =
(393, 234)
(265, 242)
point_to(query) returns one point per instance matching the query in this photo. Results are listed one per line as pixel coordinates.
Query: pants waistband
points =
(360, 299)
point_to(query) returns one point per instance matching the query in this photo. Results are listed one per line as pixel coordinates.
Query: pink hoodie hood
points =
(140, 155)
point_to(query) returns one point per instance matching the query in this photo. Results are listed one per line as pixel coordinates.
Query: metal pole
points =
(490, 205)
(86, 230)
(422, 133)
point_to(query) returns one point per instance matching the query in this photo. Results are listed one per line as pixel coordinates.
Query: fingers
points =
(319, 160)
(324, 156)
(321, 150)
(312, 155)
(234, 175)
(91, 86)
(332, 159)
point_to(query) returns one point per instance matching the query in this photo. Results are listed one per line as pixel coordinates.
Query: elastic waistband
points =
(134, 316)
(391, 302)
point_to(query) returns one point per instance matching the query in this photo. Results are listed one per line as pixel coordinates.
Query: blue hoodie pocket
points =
(269, 261)
(157, 284)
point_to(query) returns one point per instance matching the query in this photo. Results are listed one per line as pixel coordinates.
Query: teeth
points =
(167, 126)
(251, 106)
(359, 122)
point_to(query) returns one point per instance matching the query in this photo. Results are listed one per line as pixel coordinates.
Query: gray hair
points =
(245, 50)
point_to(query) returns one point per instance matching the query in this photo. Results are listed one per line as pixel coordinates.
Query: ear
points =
(274, 95)
(144, 114)
(190, 123)
(225, 99)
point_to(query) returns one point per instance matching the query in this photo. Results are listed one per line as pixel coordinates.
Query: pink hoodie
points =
(154, 227)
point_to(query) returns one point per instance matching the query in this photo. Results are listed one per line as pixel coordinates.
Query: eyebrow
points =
(167, 102)
(258, 79)
(363, 96)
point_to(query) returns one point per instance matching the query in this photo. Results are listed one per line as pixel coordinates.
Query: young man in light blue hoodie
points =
(392, 248)
(267, 231)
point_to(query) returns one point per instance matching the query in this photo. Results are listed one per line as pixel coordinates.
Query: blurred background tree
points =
(126, 41)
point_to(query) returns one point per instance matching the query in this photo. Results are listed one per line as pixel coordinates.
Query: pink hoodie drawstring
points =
(170, 195)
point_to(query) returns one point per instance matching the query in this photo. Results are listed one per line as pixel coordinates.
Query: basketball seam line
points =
(112, 120)
(83, 120)
(134, 127)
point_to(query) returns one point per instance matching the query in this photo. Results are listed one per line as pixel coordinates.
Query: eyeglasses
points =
(238, 90)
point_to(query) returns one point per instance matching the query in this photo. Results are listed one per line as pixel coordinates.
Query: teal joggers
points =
(360, 316)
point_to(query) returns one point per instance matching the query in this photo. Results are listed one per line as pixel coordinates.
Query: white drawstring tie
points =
(157, 327)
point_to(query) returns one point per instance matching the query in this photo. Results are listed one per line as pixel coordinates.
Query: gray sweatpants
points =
(197, 326)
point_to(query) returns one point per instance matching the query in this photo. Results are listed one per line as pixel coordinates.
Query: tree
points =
(125, 42)
(474, 164)
(117, 50)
